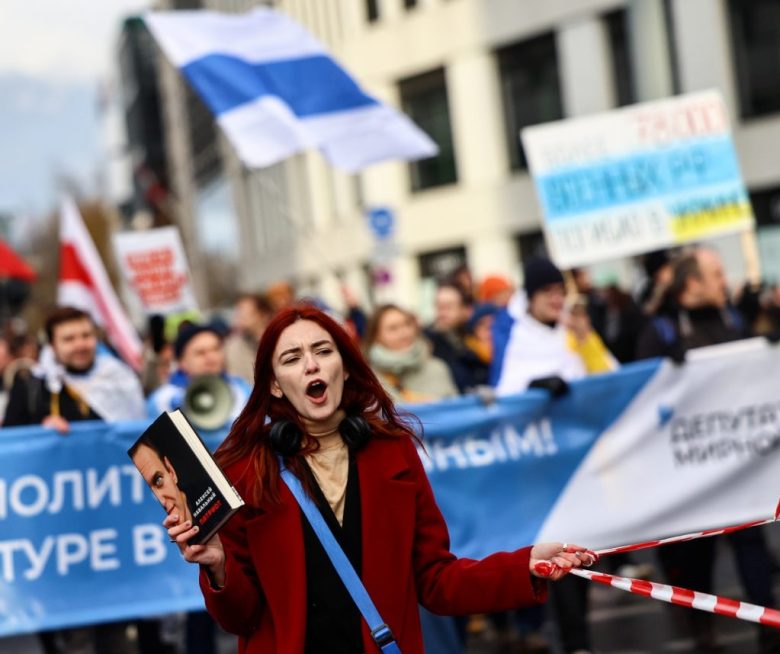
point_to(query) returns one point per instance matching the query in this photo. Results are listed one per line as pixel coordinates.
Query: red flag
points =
(84, 283)
(13, 266)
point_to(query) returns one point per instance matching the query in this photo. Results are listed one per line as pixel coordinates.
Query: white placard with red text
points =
(154, 266)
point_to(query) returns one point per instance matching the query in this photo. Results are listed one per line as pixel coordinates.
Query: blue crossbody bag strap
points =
(380, 632)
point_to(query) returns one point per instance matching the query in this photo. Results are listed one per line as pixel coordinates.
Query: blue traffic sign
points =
(382, 222)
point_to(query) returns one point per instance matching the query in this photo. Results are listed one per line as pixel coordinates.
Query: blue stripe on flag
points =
(309, 86)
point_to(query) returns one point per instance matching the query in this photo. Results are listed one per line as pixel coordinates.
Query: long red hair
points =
(363, 396)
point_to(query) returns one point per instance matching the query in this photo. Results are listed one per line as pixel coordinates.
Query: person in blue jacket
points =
(198, 350)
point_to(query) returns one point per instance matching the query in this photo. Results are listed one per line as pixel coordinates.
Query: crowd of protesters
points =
(488, 337)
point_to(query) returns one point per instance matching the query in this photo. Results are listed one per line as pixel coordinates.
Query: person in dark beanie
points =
(540, 273)
(198, 350)
(536, 336)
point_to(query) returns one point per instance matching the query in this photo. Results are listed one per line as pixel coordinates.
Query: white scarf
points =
(535, 350)
(109, 387)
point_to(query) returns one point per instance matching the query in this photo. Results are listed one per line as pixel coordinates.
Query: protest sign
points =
(154, 266)
(636, 179)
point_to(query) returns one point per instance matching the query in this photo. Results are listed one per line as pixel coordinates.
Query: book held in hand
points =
(182, 473)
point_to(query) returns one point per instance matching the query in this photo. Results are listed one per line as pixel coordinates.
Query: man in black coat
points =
(72, 382)
(696, 314)
(72, 337)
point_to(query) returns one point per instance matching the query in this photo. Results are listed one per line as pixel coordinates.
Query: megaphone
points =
(208, 402)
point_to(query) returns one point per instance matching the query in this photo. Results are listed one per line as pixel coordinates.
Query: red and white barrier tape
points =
(684, 597)
(685, 537)
(675, 594)
(692, 536)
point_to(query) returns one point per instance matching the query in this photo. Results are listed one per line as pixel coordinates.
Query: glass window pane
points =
(424, 99)
(530, 87)
(204, 150)
(372, 10)
(531, 246)
(440, 264)
(755, 32)
(622, 67)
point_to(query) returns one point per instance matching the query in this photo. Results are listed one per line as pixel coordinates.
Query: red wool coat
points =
(405, 561)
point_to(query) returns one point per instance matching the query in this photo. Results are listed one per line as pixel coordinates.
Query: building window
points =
(755, 33)
(204, 146)
(424, 99)
(622, 66)
(530, 88)
(372, 10)
(441, 264)
(671, 40)
(766, 207)
(531, 246)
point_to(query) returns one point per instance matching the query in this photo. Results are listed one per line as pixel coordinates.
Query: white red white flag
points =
(84, 283)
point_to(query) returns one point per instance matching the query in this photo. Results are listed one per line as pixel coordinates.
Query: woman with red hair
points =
(317, 406)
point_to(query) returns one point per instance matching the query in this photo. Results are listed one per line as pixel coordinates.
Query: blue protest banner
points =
(82, 540)
(497, 471)
(630, 456)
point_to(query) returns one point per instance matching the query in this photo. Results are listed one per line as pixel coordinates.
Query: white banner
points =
(697, 448)
(154, 266)
(636, 179)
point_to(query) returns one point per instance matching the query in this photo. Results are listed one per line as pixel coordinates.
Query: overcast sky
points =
(54, 54)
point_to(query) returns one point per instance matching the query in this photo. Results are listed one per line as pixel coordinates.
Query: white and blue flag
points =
(275, 90)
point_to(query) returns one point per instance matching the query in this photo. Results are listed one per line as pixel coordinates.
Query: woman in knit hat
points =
(496, 290)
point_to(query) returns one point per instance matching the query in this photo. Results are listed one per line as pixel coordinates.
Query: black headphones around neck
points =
(286, 437)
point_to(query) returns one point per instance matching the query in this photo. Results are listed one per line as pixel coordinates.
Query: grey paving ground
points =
(622, 623)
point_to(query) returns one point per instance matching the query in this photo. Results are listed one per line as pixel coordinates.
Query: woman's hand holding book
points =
(210, 554)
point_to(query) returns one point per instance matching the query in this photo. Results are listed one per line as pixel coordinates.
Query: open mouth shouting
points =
(316, 391)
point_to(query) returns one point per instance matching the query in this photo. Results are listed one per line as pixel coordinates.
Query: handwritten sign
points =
(636, 179)
(154, 266)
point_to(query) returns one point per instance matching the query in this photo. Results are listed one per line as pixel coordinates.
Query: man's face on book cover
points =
(161, 477)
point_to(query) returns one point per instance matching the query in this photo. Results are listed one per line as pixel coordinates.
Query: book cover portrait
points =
(183, 476)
